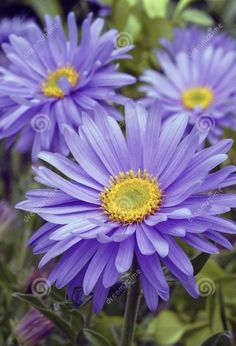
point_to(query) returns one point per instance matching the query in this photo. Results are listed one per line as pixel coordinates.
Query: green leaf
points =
(109, 326)
(95, 338)
(182, 4)
(166, 328)
(77, 320)
(195, 338)
(6, 276)
(30, 299)
(213, 271)
(133, 27)
(199, 262)
(58, 321)
(156, 9)
(220, 339)
(43, 7)
(198, 17)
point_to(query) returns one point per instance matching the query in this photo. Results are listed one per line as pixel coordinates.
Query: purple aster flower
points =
(52, 80)
(203, 85)
(33, 328)
(130, 197)
(193, 39)
(18, 26)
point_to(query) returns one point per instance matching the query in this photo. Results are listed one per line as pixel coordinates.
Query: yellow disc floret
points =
(131, 197)
(50, 86)
(194, 97)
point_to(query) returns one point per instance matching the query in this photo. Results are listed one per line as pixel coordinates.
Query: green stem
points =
(89, 314)
(131, 311)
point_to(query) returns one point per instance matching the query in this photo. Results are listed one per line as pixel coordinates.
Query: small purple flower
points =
(126, 197)
(199, 78)
(18, 26)
(193, 39)
(52, 79)
(33, 328)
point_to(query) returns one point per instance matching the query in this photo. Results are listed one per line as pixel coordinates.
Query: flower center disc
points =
(131, 198)
(197, 97)
(50, 86)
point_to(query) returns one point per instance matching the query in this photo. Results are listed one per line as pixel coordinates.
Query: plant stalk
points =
(131, 310)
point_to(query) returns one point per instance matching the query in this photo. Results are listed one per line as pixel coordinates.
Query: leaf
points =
(220, 339)
(195, 338)
(95, 338)
(30, 299)
(182, 4)
(6, 276)
(213, 271)
(198, 17)
(109, 326)
(58, 321)
(214, 313)
(77, 320)
(133, 27)
(156, 9)
(166, 328)
(199, 262)
(43, 7)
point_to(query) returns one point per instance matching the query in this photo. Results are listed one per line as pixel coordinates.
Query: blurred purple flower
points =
(199, 81)
(19, 26)
(129, 197)
(33, 328)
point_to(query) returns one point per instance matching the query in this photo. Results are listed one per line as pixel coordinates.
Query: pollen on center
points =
(51, 87)
(131, 197)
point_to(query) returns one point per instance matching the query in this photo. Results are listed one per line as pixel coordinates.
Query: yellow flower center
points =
(131, 197)
(197, 97)
(50, 86)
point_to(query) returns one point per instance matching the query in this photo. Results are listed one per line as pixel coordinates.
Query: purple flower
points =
(18, 26)
(52, 80)
(201, 83)
(33, 328)
(193, 39)
(126, 197)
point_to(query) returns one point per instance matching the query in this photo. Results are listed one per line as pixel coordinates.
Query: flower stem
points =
(131, 310)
